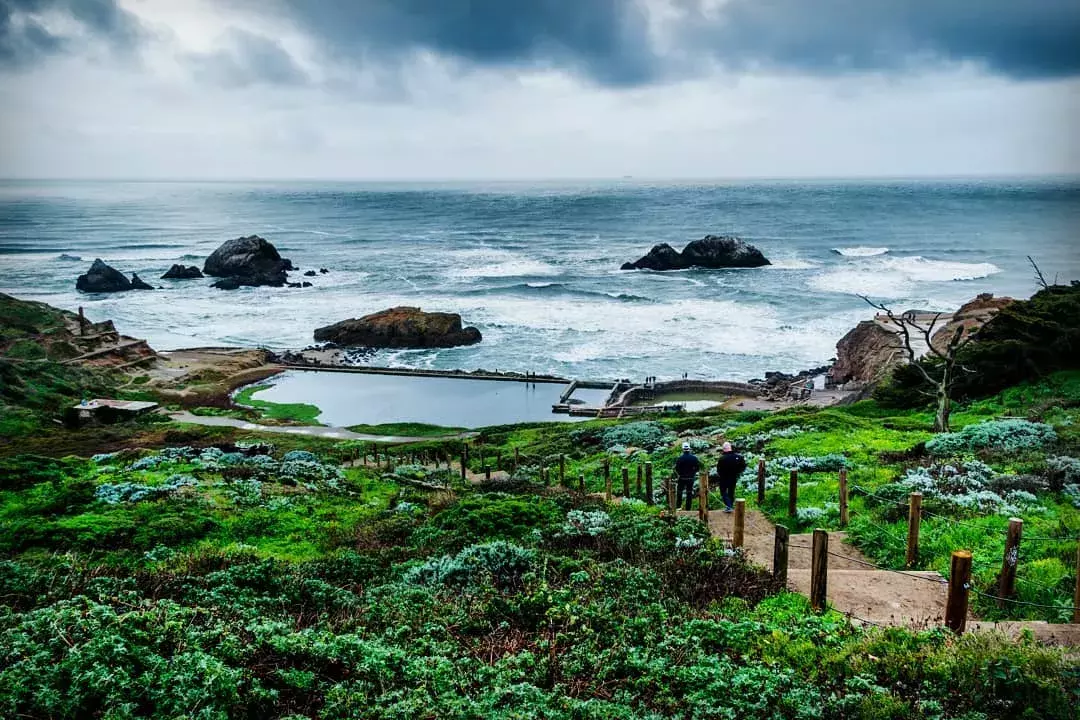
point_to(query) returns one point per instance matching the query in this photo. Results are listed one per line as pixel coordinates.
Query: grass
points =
(407, 429)
(299, 413)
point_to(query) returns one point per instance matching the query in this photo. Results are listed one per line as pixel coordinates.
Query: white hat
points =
(726, 447)
(686, 446)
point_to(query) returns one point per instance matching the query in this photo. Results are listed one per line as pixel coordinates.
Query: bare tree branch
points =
(1038, 274)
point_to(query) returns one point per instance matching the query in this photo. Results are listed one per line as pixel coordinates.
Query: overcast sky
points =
(409, 89)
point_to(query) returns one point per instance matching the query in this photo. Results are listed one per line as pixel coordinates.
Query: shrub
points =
(825, 463)
(302, 455)
(1003, 435)
(586, 522)
(500, 562)
(129, 492)
(647, 435)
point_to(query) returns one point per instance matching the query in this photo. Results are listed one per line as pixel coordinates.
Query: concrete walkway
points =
(317, 431)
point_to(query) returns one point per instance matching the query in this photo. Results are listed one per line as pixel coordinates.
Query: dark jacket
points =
(730, 466)
(687, 466)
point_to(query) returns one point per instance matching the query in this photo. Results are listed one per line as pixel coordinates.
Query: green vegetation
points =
(299, 413)
(407, 429)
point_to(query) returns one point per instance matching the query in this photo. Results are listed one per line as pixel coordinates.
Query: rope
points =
(853, 616)
(988, 596)
(908, 573)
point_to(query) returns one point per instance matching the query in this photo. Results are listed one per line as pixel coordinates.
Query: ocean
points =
(535, 265)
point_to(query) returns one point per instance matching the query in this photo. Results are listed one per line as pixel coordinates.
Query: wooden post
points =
(82, 321)
(625, 482)
(780, 553)
(671, 494)
(793, 493)
(464, 462)
(739, 527)
(1009, 561)
(1076, 592)
(607, 482)
(819, 570)
(562, 469)
(487, 473)
(914, 515)
(843, 498)
(761, 481)
(703, 498)
(639, 469)
(956, 604)
(648, 484)
(581, 483)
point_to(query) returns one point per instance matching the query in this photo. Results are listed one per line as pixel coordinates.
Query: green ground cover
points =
(407, 429)
(299, 413)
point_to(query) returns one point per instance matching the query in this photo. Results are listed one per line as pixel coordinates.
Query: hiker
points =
(686, 468)
(729, 467)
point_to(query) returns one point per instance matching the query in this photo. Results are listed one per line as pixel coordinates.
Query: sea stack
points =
(400, 327)
(711, 252)
(102, 278)
(247, 261)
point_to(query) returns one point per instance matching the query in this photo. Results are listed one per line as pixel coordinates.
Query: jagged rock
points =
(310, 273)
(712, 251)
(305, 284)
(400, 327)
(102, 278)
(229, 283)
(324, 271)
(138, 284)
(249, 261)
(182, 272)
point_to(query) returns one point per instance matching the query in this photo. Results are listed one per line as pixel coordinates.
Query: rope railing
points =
(998, 598)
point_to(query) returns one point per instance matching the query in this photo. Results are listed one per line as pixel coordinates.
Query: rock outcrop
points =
(182, 272)
(247, 261)
(712, 251)
(866, 354)
(137, 283)
(971, 316)
(400, 327)
(102, 278)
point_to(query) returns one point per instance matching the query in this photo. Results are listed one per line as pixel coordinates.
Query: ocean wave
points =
(791, 264)
(897, 276)
(69, 258)
(477, 263)
(857, 252)
(553, 289)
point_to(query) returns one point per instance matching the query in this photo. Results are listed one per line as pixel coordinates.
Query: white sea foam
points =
(490, 262)
(861, 251)
(791, 264)
(897, 276)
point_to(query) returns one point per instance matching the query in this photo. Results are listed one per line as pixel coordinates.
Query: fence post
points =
(914, 516)
(793, 493)
(956, 604)
(1076, 592)
(1009, 561)
(843, 498)
(487, 473)
(562, 469)
(581, 483)
(819, 570)
(703, 498)
(761, 481)
(739, 524)
(639, 468)
(607, 483)
(464, 462)
(669, 483)
(625, 482)
(649, 484)
(780, 553)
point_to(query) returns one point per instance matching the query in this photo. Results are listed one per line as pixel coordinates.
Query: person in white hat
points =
(729, 467)
(686, 468)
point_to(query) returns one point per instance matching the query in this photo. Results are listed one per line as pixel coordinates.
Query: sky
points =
(508, 89)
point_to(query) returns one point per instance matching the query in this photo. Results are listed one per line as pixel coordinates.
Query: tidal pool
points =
(360, 399)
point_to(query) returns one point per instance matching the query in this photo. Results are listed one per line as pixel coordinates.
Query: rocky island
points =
(400, 327)
(103, 278)
(247, 261)
(711, 252)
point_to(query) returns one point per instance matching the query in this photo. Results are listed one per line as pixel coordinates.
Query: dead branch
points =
(1038, 274)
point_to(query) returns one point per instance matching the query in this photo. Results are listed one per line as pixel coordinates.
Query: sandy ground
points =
(207, 375)
(330, 433)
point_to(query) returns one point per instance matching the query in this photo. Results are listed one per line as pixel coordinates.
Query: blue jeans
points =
(687, 485)
(727, 492)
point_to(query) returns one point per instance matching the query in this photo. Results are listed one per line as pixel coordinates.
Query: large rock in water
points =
(400, 327)
(137, 283)
(866, 354)
(712, 251)
(248, 261)
(102, 278)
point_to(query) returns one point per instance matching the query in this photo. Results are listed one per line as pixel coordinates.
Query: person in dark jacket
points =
(729, 467)
(686, 468)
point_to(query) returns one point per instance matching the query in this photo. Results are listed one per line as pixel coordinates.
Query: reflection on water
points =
(358, 399)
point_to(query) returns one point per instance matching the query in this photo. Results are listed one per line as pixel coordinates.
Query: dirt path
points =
(330, 433)
(866, 594)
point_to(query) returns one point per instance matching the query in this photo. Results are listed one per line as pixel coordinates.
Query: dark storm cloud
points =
(24, 38)
(607, 40)
(1016, 38)
(602, 39)
(248, 59)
